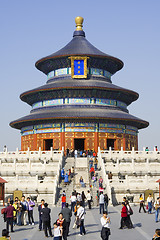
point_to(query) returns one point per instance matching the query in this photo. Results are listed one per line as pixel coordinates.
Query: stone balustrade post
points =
(133, 152)
(28, 153)
(133, 165)
(51, 153)
(39, 152)
(110, 152)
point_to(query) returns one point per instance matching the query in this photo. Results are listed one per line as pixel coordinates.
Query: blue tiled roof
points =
(69, 83)
(79, 113)
(79, 45)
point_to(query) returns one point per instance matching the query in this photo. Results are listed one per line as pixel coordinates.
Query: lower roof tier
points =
(106, 115)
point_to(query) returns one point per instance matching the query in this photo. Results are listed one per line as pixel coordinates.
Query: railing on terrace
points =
(30, 154)
(133, 154)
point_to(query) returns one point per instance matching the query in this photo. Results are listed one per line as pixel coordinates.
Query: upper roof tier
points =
(81, 47)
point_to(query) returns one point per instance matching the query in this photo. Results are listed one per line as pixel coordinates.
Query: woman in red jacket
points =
(124, 221)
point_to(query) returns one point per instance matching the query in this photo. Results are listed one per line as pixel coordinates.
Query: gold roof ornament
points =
(79, 23)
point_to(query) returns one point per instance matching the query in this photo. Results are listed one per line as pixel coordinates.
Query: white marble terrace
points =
(36, 173)
(133, 172)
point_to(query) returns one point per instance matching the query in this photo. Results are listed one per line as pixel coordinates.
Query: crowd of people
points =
(68, 175)
(15, 213)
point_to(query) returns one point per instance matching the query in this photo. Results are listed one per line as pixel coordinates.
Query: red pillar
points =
(96, 142)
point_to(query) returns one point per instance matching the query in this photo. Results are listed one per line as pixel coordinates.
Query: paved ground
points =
(144, 226)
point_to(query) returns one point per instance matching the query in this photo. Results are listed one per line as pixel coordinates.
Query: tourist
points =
(15, 205)
(73, 200)
(69, 175)
(19, 213)
(83, 199)
(101, 189)
(150, 202)
(94, 181)
(82, 182)
(64, 192)
(67, 214)
(72, 172)
(24, 210)
(92, 171)
(124, 216)
(67, 152)
(94, 154)
(9, 216)
(66, 181)
(89, 199)
(95, 163)
(156, 148)
(46, 219)
(110, 175)
(129, 213)
(101, 203)
(80, 215)
(62, 173)
(5, 148)
(5, 233)
(40, 207)
(157, 206)
(141, 199)
(156, 236)
(63, 199)
(31, 205)
(100, 182)
(146, 149)
(57, 232)
(8, 201)
(90, 163)
(105, 221)
(97, 198)
(61, 222)
(106, 200)
(75, 153)
(79, 197)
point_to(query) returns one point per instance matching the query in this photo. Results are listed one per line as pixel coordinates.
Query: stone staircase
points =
(69, 162)
(94, 189)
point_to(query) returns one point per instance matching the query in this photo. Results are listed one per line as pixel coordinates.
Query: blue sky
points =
(128, 30)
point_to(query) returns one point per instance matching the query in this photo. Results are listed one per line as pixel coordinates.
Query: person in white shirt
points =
(75, 153)
(105, 221)
(79, 197)
(57, 231)
(157, 206)
(101, 202)
(80, 215)
(73, 200)
(89, 199)
(150, 202)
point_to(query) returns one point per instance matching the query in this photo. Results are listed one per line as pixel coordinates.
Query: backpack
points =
(2, 210)
(130, 211)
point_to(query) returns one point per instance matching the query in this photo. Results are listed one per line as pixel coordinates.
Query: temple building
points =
(79, 107)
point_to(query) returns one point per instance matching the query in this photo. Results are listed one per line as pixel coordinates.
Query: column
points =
(96, 138)
(62, 141)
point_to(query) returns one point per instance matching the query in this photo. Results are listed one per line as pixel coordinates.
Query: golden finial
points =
(79, 22)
